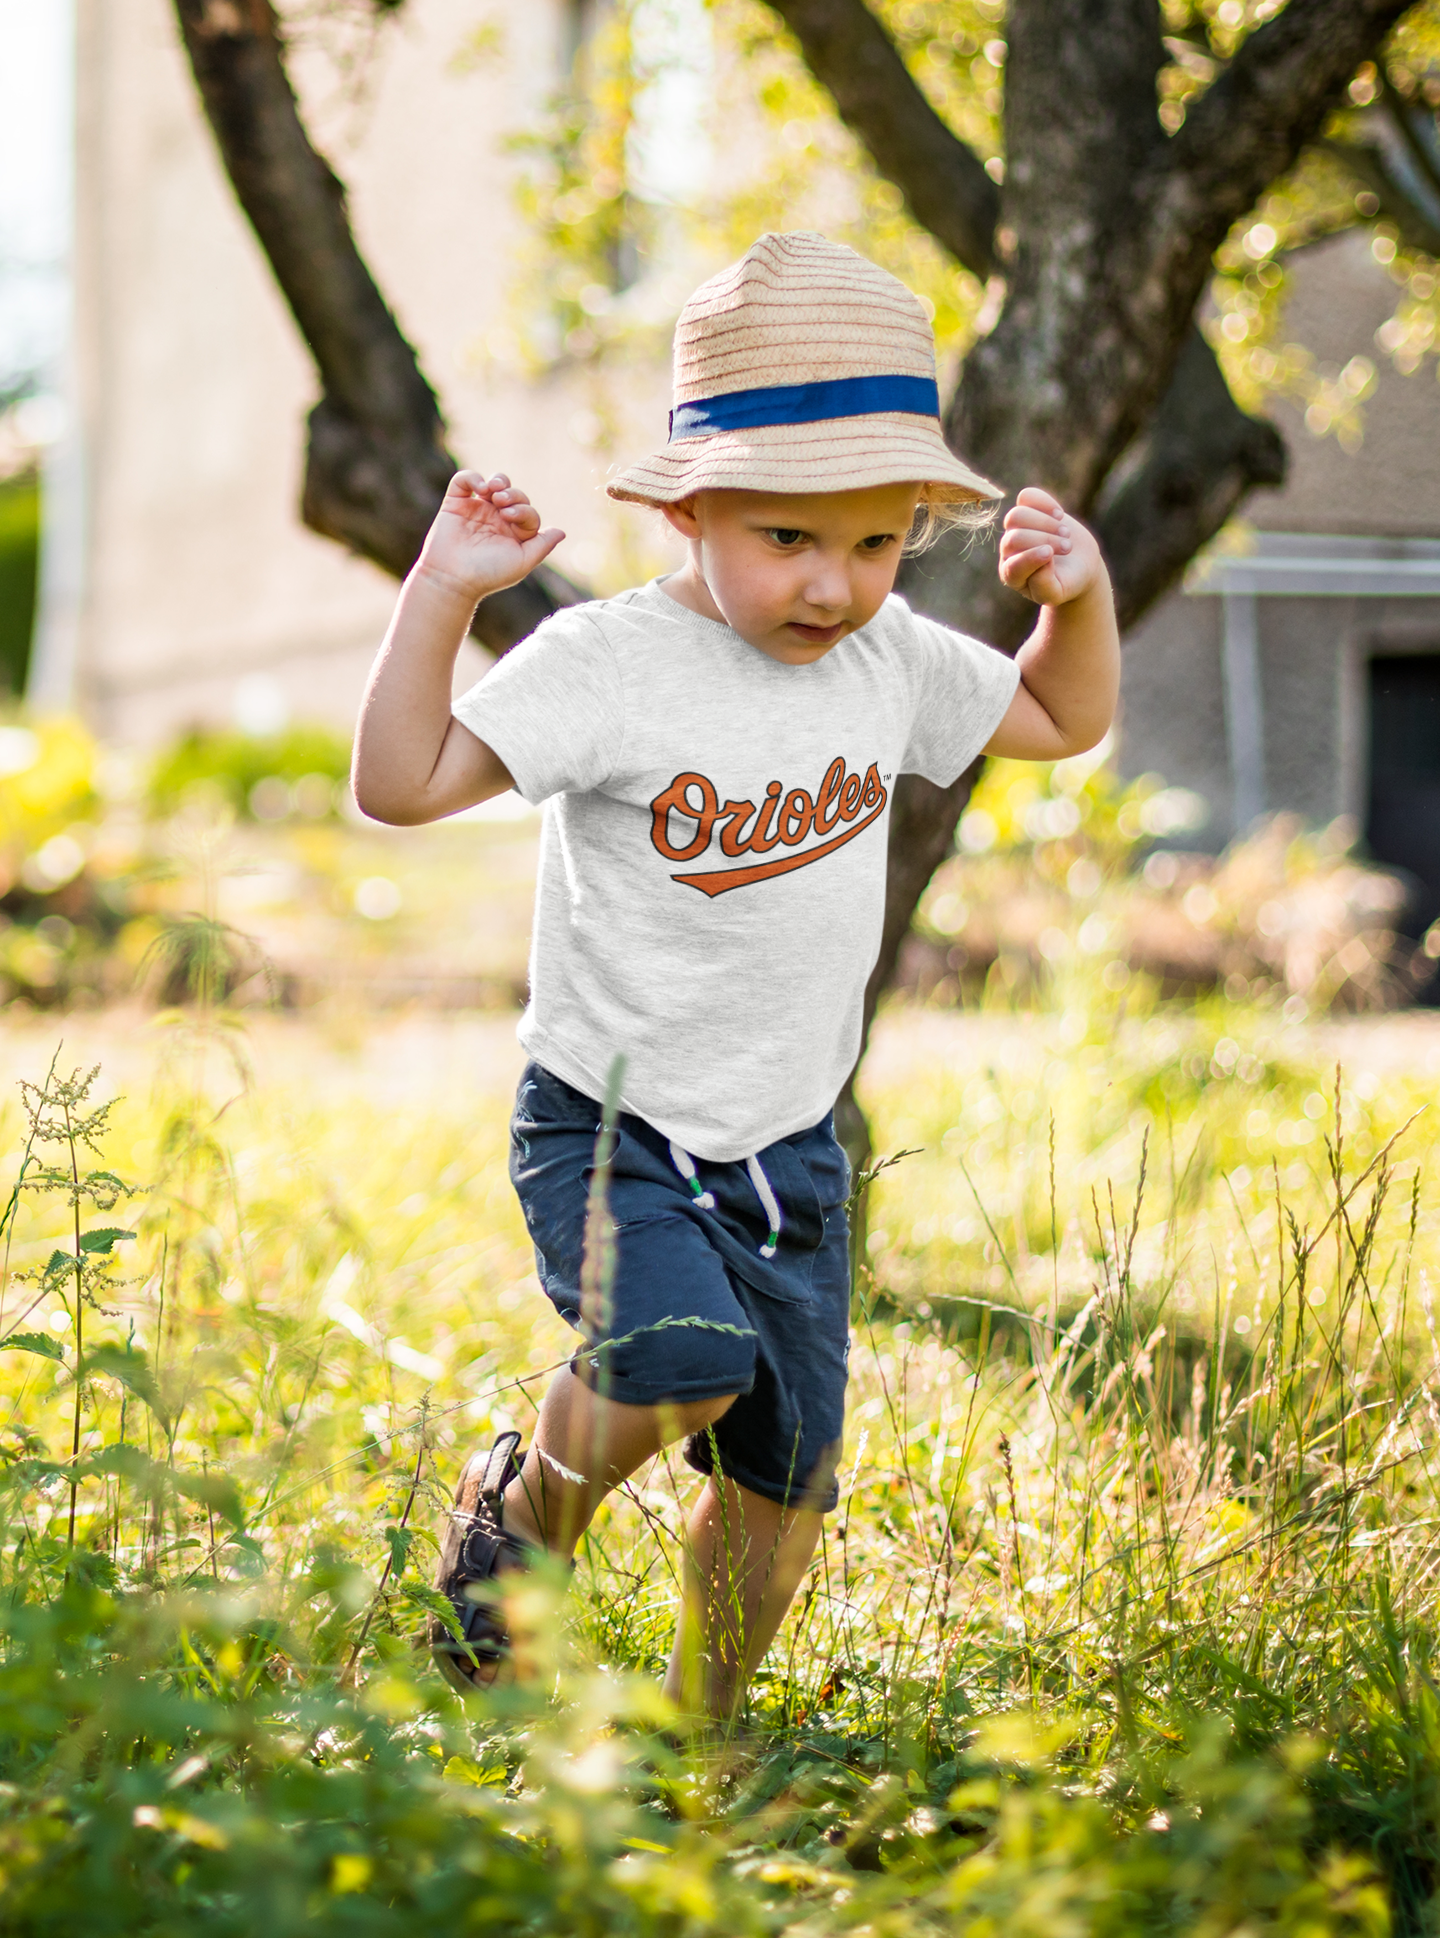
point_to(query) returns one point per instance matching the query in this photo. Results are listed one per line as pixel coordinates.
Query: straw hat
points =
(802, 367)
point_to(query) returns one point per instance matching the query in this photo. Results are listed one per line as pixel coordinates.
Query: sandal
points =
(474, 1543)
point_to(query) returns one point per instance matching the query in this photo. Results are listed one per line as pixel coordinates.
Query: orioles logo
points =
(781, 820)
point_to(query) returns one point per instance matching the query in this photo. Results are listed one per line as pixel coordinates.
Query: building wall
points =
(1390, 486)
(1302, 656)
(1312, 650)
(1172, 702)
(182, 566)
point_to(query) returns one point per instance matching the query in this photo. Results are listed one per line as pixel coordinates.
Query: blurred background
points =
(535, 194)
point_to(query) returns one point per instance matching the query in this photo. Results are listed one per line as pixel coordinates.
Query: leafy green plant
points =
(61, 1112)
(271, 777)
(1060, 877)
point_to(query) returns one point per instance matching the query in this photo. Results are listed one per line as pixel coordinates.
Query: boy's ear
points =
(682, 517)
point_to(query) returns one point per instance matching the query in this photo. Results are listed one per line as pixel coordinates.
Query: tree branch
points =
(1198, 459)
(377, 465)
(1398, 159)
(1249, 127)
(942, 180)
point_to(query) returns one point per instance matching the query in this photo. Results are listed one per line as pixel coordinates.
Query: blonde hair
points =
(934, 517)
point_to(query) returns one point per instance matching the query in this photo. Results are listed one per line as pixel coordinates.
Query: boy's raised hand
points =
(1070, 664)
(486, 535)
(1049, 556)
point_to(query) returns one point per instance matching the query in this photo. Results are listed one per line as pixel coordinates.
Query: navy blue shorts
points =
(694, 1309)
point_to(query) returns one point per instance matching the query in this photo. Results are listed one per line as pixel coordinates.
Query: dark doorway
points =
(1403, 823)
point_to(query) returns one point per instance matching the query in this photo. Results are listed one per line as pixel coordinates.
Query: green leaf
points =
(211, 1490)
(248, 1551)
(60, 1265)
(130, 1463)
(132, 1369)
(104, 1240)
(426, 1597)
(34, 1342)
(399, 1540)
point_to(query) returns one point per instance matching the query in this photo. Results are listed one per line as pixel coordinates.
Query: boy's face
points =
(792, 572)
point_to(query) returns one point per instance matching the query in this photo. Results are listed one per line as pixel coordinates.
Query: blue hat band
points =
(745, 410)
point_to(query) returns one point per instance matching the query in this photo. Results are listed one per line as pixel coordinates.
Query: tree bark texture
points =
(377, 464)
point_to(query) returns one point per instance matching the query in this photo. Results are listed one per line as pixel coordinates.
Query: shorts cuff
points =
(792, 1493)
(626, 1390)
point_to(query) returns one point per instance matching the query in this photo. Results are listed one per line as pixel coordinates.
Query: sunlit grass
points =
(1141, 1439)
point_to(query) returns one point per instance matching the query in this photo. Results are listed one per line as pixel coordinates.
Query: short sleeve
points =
(961, 690)
(551, 708)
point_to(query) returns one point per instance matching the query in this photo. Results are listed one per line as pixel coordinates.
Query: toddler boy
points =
(716, 752)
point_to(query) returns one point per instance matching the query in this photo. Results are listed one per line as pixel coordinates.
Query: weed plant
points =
(1124, 1624)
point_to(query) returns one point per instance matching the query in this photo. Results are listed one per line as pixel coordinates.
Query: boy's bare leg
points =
(592, 1445)
(745, 1555)
(745, 1558)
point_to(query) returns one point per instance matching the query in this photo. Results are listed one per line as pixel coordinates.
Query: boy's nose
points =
(828, 588)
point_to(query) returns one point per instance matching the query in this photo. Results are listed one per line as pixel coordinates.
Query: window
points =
(1403, 818)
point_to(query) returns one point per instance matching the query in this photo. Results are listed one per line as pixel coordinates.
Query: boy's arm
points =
(1070, 665)
(413, 760)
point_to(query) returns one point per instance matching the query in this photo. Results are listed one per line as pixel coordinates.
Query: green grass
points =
(1125, 1623)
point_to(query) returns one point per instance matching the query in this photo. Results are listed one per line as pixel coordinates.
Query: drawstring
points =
(768, 1199)
(683, 1163)
(681, 1160)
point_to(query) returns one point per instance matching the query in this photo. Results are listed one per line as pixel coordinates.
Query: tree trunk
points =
(377, 463)
(1199, 459)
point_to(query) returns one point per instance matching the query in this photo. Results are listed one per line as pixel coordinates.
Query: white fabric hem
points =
(556, 1059)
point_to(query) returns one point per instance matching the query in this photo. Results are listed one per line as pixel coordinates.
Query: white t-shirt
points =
(712, 862)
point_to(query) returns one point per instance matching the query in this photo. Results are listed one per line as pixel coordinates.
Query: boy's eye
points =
(877, 541)
(783, 536)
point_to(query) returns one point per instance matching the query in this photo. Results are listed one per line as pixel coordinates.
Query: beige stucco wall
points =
(182, 567)
(1390, 486)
